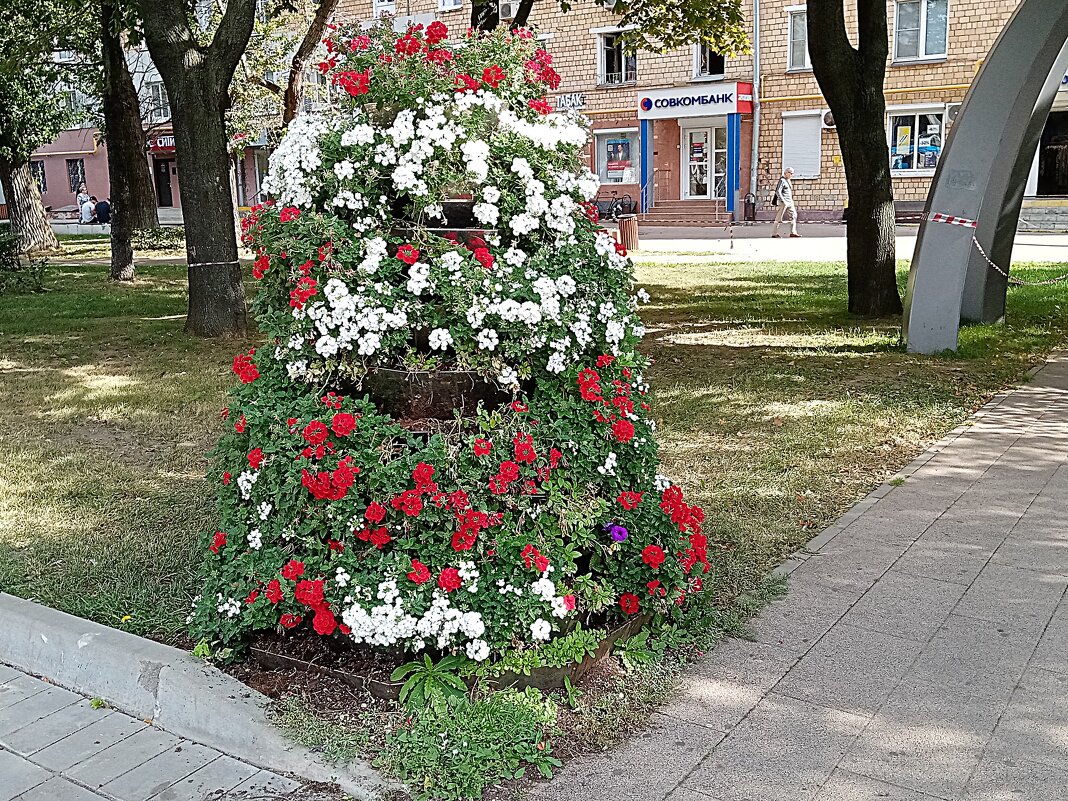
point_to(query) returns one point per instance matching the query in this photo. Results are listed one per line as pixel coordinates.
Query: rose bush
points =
(513, 521)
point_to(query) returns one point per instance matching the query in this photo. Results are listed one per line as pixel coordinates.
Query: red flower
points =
(407, 45)
(343, 424)
(449, 579)
(484, 257)
(630, 500)
(458, 500)
(309, 593)
(240, 425)
(569, 603)
(315, 433)
(419, 574)
(541, 563)
(226, 477)
(524, 448)
(463, 540)
(628, 602)
(653, 555)
(293, 570)
(436, 32)
(492, 76)
(244, 368)
(324, 621)
(408, 502)
(289, 213)
(423, 475)
(482, 446)
(380, 538)
(335, 546)
(623, 429)
(408, 254)
(274, 591)
(252, 596)
(255, 458)
(361, 42)
(465, 83)
(289, 621)
(540, 105)
(218, 542)
(554, 458)
(260, 266)
(519, 406)
(605, 359)
(355, 83)
(375, 513)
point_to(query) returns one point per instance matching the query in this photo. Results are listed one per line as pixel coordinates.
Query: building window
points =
(802, 143)
(38, 170)
(616, 66)
(450, 5)
(75, 173)
(617, 157)
(798, 47)
(159, 105)
(380, 7)
(915, 140)
(921, 30)
(708, 63)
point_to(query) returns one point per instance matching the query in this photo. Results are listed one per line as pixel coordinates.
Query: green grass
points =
(778, 410)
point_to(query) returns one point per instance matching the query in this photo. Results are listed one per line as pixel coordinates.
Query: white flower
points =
(508, 377)
(342, 577)
(486, 213)
(642, 295)
(559, 607)
(478, 650)
(245, 482)
(264, 510)
(255, 539)
(544, 589)
(540, 629)
(359, 135)
(344, 170)
(440, 339)
(488, 339)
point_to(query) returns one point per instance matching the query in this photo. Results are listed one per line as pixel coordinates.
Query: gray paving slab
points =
(151, 778)
(846, 786)
(907, 606)
(33, 708)
(1033, 725)
(1010, 778)
(219, 776)
(18, 689)
(59, 789)
(1023, 599)
(262, 783)
(50, 729)
(1052, 651)
(88, 742)
(122, 757)
(18, 775)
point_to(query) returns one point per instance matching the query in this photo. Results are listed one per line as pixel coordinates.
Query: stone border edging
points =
(151, 681)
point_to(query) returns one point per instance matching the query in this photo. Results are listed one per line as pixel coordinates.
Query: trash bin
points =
(749, 208)
(628, 231)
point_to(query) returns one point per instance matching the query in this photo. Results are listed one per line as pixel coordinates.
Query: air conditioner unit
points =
(827, 120)
(507, 10)
(952, 110)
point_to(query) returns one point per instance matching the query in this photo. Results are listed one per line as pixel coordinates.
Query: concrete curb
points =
(180, 694)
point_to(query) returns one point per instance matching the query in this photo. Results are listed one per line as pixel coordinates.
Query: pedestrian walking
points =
(784, 200)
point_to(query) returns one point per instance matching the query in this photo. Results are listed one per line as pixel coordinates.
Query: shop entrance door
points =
(705, 164)
(163, 182)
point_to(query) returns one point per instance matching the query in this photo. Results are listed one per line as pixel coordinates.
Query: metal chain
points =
(1013, 279)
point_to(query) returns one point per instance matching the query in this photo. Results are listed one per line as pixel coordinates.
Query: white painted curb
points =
(178, 693)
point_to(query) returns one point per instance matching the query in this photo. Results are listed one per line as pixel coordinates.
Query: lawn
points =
(778, 411)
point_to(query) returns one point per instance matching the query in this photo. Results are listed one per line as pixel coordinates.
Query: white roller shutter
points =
(802, 139)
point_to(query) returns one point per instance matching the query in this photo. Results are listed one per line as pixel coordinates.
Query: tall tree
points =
(294, 93)
(133, 198)
(851, 79)
(197, 77)
(30, 116)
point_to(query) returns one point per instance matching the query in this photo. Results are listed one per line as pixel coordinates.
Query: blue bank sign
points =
(695, 101)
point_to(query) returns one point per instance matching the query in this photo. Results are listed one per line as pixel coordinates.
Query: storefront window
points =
(922, 29)
(617, 157)
(617, 66)
(799, 41)
(915, 141)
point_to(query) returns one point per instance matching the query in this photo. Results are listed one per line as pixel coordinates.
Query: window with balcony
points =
(159, 105)
(921, 30)
(798, 42)
(616, 66)
(708, 63)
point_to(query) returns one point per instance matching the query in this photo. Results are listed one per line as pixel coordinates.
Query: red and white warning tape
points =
(949, 219)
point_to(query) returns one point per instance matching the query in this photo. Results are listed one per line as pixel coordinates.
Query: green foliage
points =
(458, 751)
(429, 684)
(635, 652)
(162, 237)
(660, 25)
(337, 743)
(18, 274)
(567, 649)
(572, 694)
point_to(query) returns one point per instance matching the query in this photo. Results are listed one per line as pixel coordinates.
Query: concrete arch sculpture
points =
(982, 175)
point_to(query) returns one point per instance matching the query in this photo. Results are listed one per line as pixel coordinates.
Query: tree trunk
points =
(851, 80)
(216, 296)
(294, 94)
(485, 16)
(128, 174)
(870, 235)
(25, 208)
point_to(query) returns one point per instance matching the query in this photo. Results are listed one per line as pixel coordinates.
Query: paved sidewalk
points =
(54, 746)
(920, 654)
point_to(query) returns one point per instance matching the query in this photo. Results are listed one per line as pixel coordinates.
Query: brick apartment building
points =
(674, 131)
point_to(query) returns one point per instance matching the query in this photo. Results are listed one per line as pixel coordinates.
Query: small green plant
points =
(97, 703)
(897, 481)
(18, 273)
(635, 652)
(572, 694)
(163, 237)
(429, 684)
(560, 652)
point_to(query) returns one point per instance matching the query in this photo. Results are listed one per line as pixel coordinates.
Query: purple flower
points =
(617, 532)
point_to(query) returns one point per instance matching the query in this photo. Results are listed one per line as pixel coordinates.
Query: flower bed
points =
(540, 507)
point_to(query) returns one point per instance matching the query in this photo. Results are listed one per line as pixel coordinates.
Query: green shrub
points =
(18, 273)
(164, 237)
